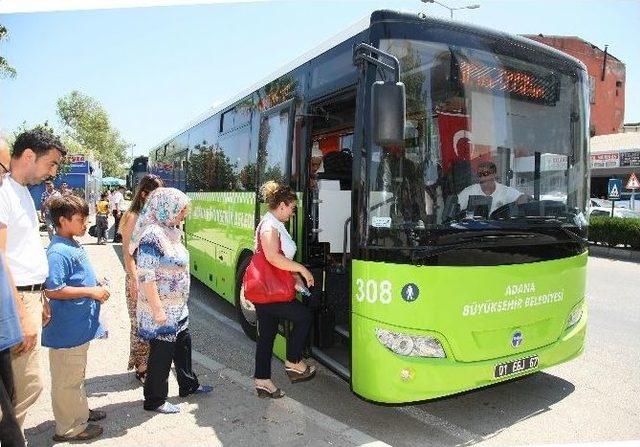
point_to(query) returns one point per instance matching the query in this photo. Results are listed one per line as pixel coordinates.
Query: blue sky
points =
(155, 69)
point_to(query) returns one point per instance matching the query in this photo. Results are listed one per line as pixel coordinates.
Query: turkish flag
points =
(455, 137)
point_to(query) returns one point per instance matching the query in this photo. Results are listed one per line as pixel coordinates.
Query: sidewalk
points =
(231, 415)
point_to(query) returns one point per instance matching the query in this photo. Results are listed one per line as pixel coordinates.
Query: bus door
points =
(329, 160)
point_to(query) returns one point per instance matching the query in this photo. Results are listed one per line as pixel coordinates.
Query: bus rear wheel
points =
(245, 309)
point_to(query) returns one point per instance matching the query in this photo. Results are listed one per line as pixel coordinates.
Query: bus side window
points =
(272, 146)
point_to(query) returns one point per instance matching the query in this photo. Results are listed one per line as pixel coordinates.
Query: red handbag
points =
(265, 283)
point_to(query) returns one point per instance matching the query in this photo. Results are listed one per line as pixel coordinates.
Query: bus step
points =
(342, 330)
(331, 363)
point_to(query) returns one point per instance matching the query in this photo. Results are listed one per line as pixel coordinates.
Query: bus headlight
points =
(410, 345)
(575, 315)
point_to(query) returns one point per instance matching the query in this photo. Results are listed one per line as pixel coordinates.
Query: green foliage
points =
(88, 126)
(64, 166)
(6, 70)
(614, 231)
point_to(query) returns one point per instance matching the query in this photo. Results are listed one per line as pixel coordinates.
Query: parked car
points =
(601, 207)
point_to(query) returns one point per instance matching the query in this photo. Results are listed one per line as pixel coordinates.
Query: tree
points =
(6, 70)
(87, 123)
(210, 169)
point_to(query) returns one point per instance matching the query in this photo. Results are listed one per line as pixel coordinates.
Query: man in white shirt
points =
(36, 157)
(117, 202)
(488, 187)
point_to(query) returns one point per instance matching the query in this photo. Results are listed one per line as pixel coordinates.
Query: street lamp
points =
(476, 6)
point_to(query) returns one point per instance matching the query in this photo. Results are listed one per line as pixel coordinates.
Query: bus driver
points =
(488, 187)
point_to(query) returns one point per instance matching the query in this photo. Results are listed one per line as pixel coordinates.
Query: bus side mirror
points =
(388, 110)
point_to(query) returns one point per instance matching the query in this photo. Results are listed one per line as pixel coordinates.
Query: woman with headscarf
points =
(163, 289)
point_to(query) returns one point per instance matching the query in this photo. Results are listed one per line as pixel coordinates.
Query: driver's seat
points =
(459, 178)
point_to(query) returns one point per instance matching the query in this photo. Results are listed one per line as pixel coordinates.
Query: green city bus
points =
(426, 284)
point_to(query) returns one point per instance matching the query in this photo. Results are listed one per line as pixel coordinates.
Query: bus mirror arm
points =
(388, 98)
(364, 53)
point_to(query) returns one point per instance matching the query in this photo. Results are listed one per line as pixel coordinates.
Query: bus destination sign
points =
(517, 83)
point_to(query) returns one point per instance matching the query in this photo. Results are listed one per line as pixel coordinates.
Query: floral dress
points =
(170, 271)
(138, 348)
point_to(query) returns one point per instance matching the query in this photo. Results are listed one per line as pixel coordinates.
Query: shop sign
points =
(605, 160)
(630, 158)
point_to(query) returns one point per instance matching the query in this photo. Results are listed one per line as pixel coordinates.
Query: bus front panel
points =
(421, 332)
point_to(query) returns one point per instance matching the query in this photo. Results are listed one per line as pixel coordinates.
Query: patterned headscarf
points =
(159, 216)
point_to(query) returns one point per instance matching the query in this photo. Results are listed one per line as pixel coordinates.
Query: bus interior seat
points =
(461, 176)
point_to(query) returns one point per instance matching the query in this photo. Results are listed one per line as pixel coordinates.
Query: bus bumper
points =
(380, 375)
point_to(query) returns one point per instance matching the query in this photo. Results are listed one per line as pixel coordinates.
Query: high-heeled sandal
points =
(264, 392)
(300, 376)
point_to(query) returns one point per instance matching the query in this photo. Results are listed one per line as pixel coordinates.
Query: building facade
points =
(614, 156)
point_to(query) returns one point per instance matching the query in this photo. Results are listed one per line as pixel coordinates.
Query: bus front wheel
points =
(245, 309)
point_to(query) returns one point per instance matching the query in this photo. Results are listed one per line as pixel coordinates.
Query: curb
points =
(620, 254)
(327, 422)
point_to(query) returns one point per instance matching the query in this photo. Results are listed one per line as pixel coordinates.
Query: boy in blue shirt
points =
(75, 297)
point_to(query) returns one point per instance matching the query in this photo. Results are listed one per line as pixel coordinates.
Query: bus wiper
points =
(479, 241)
(556, 224)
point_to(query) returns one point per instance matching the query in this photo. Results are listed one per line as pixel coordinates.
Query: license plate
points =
(504, 369)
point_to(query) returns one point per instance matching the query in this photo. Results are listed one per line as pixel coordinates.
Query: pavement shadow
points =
(484, 413)
(103, 385)
(117, 248)
(121, 417)
(239, 418)
(460, 420)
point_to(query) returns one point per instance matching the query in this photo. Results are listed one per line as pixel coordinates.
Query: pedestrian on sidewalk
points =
(138, 348)
(117, 206)
(36, 156)
(277, 246)
(162, 263)
(50, 191)
(10, 336)
(75, 298)
(102, 218)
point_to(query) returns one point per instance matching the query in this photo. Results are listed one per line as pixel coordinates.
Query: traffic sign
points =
(614, 189)
(633, 182)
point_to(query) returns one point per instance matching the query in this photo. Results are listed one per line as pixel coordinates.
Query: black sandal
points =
(264, 392)
(298, 376)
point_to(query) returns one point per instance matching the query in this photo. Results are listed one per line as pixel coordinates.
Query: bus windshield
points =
(494, 144)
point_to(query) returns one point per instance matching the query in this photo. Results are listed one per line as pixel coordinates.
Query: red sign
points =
(75, 158)
(606, 160)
